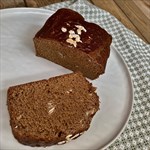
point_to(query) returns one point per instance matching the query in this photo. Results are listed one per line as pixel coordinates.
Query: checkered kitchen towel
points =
(136, 54)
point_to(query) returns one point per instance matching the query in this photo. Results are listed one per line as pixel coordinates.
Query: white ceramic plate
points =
(19, 65)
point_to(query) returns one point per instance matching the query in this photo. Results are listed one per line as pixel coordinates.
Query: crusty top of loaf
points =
(92, 36)
(47, 111)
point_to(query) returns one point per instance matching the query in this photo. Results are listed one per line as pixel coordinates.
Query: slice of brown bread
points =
(70, 41)
(47, 112)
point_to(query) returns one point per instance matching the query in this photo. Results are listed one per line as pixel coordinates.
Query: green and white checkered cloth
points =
(136, 54)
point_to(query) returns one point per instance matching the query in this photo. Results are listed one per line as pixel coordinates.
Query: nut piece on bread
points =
(52, 111)
(70, 41)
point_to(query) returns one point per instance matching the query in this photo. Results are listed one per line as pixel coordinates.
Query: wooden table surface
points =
(134, 14)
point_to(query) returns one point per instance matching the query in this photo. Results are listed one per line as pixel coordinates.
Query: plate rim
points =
(132, 100)
(7, 11)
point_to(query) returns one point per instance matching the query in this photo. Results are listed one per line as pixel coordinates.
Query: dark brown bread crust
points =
(45, 112)
(89, 56)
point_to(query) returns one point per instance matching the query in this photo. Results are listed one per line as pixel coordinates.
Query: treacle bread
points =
(70, 41)
(52, 111)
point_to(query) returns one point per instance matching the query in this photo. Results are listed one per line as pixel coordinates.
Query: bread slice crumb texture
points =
(45, 112)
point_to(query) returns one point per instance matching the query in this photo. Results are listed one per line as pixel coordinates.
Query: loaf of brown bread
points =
(52, 111)
(68, 40)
